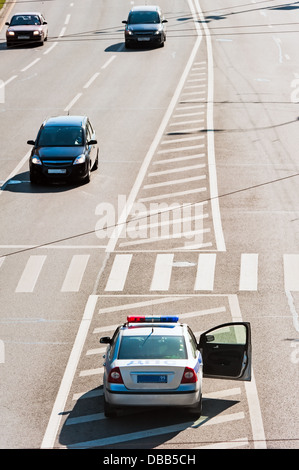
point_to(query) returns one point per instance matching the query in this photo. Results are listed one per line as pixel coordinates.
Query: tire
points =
(33, 179)
(197, 409)
(109, 410)
(96, 163)
(87, 177)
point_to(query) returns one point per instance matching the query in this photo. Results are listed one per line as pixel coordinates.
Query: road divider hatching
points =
(158, 220)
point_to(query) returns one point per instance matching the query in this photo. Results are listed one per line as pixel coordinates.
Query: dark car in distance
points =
(27, 28)
(145, 25)
(65, 150)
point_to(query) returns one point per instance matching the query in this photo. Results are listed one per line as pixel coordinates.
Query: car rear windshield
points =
(152, 347)
(143, 17)
(24, 19)
(61, 136)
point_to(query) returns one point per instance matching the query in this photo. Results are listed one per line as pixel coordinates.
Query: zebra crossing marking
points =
(31, 273)
(205, 272)
(163, 265)
(75, 273)
(249, 272)
(162, 272)
(291, 272)
(119, 273)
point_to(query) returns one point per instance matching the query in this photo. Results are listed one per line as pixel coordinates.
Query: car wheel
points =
(87, 177)
(109, 410)
(96, 163)
(33, 179)
(127, 45)
(196, 410)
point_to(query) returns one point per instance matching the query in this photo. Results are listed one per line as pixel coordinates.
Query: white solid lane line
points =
(68, 377)
(256, 419)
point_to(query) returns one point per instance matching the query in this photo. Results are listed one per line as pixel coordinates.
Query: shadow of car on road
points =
(85, 426)
(20, 183)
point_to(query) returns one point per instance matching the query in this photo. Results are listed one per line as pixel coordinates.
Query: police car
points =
(156, 361)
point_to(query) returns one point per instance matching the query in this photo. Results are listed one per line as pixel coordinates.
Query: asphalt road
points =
(202, 131)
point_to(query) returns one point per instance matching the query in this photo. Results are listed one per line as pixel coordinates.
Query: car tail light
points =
(115, 376)
(189, 376)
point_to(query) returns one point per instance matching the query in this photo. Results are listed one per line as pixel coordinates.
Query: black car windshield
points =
(143, 17)
(25, 20)
(152, 347)
(60, 136)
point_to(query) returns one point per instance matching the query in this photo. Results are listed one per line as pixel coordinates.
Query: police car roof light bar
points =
(152, 319)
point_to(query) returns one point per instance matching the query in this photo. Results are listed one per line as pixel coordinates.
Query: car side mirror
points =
(92, 142)
(165, 21)
(45, 22)
(124, 21)
(105, 340)
(205, 339)
(210, 338)
(7, 24)
(31, 142)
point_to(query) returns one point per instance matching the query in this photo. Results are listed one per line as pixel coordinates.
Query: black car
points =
(145, 25)
(65, 149)
(28, 27)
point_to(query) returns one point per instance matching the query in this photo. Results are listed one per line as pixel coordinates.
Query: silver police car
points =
(156, 361)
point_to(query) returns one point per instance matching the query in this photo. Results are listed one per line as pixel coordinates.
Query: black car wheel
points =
(33, 179)
(196, 410)
(109, 410)
(96, 163)
(87, 177)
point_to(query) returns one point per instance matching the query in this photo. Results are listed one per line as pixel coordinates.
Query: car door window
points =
(113, 345)
(226, 351)
(193, 343)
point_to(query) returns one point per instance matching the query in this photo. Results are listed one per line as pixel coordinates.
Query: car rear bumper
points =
(179, 397)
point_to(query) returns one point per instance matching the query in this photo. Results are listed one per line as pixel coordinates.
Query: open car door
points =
(226, 351)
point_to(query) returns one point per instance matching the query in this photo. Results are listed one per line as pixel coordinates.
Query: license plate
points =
(143, 39)
(23, 37)
(57, 171)
(149, 379)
